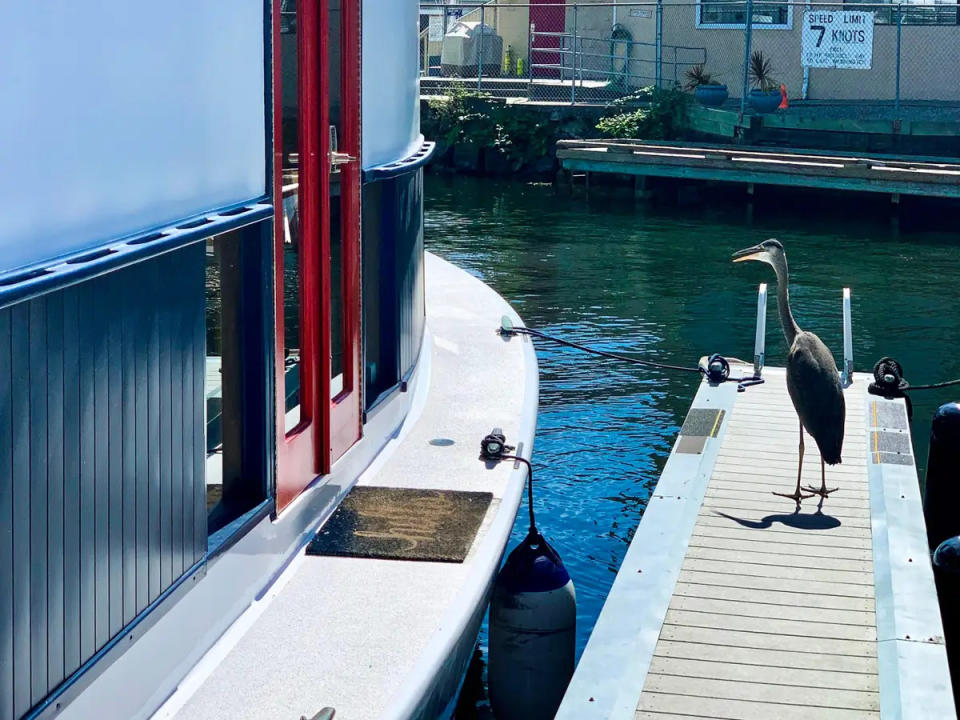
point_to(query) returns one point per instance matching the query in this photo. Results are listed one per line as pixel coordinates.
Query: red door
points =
(317, 240)
(547, 17)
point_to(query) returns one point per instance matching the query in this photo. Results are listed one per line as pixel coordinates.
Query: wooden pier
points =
(729, 604)
(799, 168)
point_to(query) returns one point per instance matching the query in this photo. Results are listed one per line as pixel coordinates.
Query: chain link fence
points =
(851, 57)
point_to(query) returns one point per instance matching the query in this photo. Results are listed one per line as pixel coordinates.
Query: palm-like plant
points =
(698, 76)
(761, 71)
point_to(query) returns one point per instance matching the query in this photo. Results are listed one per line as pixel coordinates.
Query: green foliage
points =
(521, 135)
(657, 121)
(761, 72)
(698, 76)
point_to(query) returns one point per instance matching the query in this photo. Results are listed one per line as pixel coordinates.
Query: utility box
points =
(469, 45)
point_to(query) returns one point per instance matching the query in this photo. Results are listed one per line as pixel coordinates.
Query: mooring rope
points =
(601, 353)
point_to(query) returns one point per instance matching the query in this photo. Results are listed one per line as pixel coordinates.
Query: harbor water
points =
(656, 279)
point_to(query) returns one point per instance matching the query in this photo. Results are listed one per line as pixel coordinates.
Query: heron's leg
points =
(822, 491)
(797, 496)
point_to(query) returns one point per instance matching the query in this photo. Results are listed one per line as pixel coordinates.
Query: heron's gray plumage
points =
(812, 377)
(814, 387)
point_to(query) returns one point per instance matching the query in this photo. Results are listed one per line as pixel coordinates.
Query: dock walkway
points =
(799, 168)
(731, 605)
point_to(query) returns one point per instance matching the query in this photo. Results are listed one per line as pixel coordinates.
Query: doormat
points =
(403, 524)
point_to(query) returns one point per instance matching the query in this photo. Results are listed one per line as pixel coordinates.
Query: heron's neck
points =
(789, 325)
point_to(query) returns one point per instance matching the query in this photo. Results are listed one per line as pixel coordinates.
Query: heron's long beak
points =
(750, 253)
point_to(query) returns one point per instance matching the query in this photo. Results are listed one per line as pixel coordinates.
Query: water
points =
(658, 280)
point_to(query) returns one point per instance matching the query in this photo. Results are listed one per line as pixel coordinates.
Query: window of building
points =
(937, 12)
(733, 14)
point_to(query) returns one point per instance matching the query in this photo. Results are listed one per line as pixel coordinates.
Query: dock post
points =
(759, 347)
(641, 190)
(748, 28)
(847, 340)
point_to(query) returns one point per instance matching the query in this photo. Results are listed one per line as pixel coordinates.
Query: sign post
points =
(837, 39)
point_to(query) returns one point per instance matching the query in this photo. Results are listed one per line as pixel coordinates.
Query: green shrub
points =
(657, 121)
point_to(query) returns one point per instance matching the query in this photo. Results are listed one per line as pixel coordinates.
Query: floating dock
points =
(731, 604)
(799, 168)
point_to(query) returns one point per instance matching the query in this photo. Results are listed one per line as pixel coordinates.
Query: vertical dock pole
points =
(759, 347)
(847, 340)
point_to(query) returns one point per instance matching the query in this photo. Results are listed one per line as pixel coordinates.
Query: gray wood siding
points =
(102, 499)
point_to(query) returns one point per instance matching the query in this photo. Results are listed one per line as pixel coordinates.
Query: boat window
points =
(337, 329)
(293, 265)
(235, 477)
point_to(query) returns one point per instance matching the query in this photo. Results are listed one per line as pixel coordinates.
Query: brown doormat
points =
(403, 524)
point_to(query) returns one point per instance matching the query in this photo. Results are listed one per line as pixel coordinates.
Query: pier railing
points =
(851, 56)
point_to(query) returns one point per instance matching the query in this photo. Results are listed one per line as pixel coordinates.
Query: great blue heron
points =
(812, 378)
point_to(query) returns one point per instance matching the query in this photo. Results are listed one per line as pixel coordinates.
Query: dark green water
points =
(657, 279)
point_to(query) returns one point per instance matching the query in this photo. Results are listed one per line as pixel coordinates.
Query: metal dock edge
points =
(729, 605)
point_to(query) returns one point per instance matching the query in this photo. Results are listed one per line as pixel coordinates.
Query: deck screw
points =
(906, 637)
(909, 559)
(591, 699)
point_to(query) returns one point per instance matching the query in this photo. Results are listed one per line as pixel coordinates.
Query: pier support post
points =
(641, 191)
(751, 190)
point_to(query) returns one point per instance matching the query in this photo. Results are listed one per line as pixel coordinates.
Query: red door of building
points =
(317, 239)
(547, 16)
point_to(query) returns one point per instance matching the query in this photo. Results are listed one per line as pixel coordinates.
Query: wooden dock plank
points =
(826, 662)
(703, 539)
(764, 641)
(771, 674)
(797, 610)
(771, 626)
(764, 692)
(723, 709)
(735, 531)
(821, 561)
(772, 597)
(776, 525)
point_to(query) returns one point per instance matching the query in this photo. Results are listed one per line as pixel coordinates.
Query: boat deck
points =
(731, 605)
(802, 168)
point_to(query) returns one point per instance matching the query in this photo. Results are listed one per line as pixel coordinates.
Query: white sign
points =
(837, 39)
(436, 28)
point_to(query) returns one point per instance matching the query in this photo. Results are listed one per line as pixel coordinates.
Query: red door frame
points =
(327, 427)
(345, 426)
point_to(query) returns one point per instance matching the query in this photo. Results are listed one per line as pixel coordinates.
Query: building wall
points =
(929, 56)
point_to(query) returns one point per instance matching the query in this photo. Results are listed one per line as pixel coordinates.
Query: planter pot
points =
(764, 102)
(711, 95)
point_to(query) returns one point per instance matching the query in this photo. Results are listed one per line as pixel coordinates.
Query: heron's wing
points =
(814, 386)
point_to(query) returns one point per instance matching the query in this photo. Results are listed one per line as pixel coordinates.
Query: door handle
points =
(337, 158)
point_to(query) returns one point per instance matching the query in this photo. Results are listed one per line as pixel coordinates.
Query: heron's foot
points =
(796, 496)
(823, 492)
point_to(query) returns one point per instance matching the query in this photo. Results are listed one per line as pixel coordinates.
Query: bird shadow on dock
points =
(801, 521)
